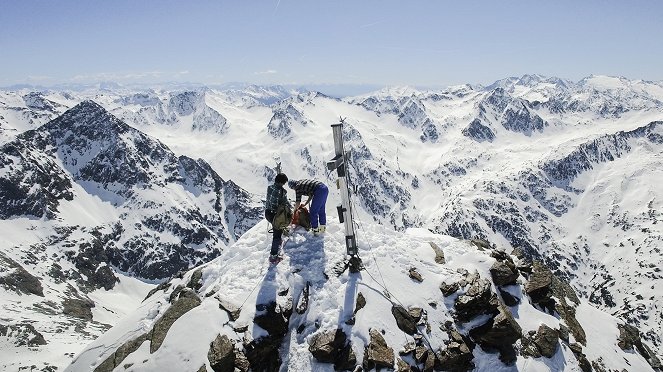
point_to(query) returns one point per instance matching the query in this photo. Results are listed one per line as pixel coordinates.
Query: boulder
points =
(263, 354)
(414, 275)
(449, 289)
(499, 333)
(439, 254)
(221, 354)
(457, 357)
(326, 346)
(302, 303)
(504, 273)
(274, 319)
(479, 299)
(481, 244)
(541, 343)
(377, 353)
(406, 322)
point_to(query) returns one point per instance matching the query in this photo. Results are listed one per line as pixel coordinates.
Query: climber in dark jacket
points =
(276, 195)
(317, 194)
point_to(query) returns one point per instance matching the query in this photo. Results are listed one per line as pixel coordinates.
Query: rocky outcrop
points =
(187, 300)
(23, 334)
(221, 354)
(478, 131)
(333, 347)
(78, 308)
(478, 299)
(499, 333)
(14, 277)
(543, 342)
(377, 353)
(629, 339)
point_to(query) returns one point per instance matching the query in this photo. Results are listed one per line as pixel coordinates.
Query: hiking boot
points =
(275, 258)
(319, 230)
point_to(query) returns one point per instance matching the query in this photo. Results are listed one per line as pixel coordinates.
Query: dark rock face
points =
(22, 334)
(187, 301)
(415, 275)
(18, 279)
(504, 273)
(221, 354)
(499, 333)
(479, 299)
(457, 357)
(377, 353)
(479, 132)
(542, 343)
(78, 308)
(518, 118)
(327, 347)
(629, 339)
(284, 118)
(406, 322)
(115, 359)
(543, 287)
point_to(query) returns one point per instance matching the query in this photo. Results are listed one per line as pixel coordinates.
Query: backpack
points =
(282, 217)
(302, 218)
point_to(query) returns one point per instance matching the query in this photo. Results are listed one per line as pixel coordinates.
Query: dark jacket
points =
(276, 195)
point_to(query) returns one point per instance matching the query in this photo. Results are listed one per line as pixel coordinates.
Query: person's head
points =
(292, 184)
(281, 179)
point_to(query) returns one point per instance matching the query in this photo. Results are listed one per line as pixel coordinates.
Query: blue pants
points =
(318, 206)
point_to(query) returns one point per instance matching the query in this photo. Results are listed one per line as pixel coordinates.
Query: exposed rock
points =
(120, 354)
(23, 334)
(19, 279)
(449, 289)
(478, 132)
(518, 252)
(457, 357)
(439, 254)
(629, 337)
(543, 287)
(263, 353)
(481, 244)
(326, 346)
(479, 299)
(221, 354)
(161, 287)
(542, 343)
(377, 353)
(360, 303)
(302, 304)
(583, 362)
(404, 320)
(508, 298)
(78, 308)
(499, 333)
(195, 282)
(402, 366)
(414, 275)
(274, 319)
(232, 310)
(504, 273)
(186, 301)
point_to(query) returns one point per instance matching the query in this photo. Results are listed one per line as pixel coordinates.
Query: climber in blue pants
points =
(317, 194)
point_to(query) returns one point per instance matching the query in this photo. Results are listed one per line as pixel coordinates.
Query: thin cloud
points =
(268, 72)
(371, 24)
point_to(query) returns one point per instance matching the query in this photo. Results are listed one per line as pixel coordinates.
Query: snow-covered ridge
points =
(422, 301)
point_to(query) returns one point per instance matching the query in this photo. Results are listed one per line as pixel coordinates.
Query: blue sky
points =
(421, 43)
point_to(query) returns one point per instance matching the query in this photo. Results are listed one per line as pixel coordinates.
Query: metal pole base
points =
(355, 264)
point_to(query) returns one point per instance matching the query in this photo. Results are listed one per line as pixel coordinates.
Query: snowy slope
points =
(229, 299)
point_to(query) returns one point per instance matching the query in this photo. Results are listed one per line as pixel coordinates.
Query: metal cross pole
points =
(344, 210)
